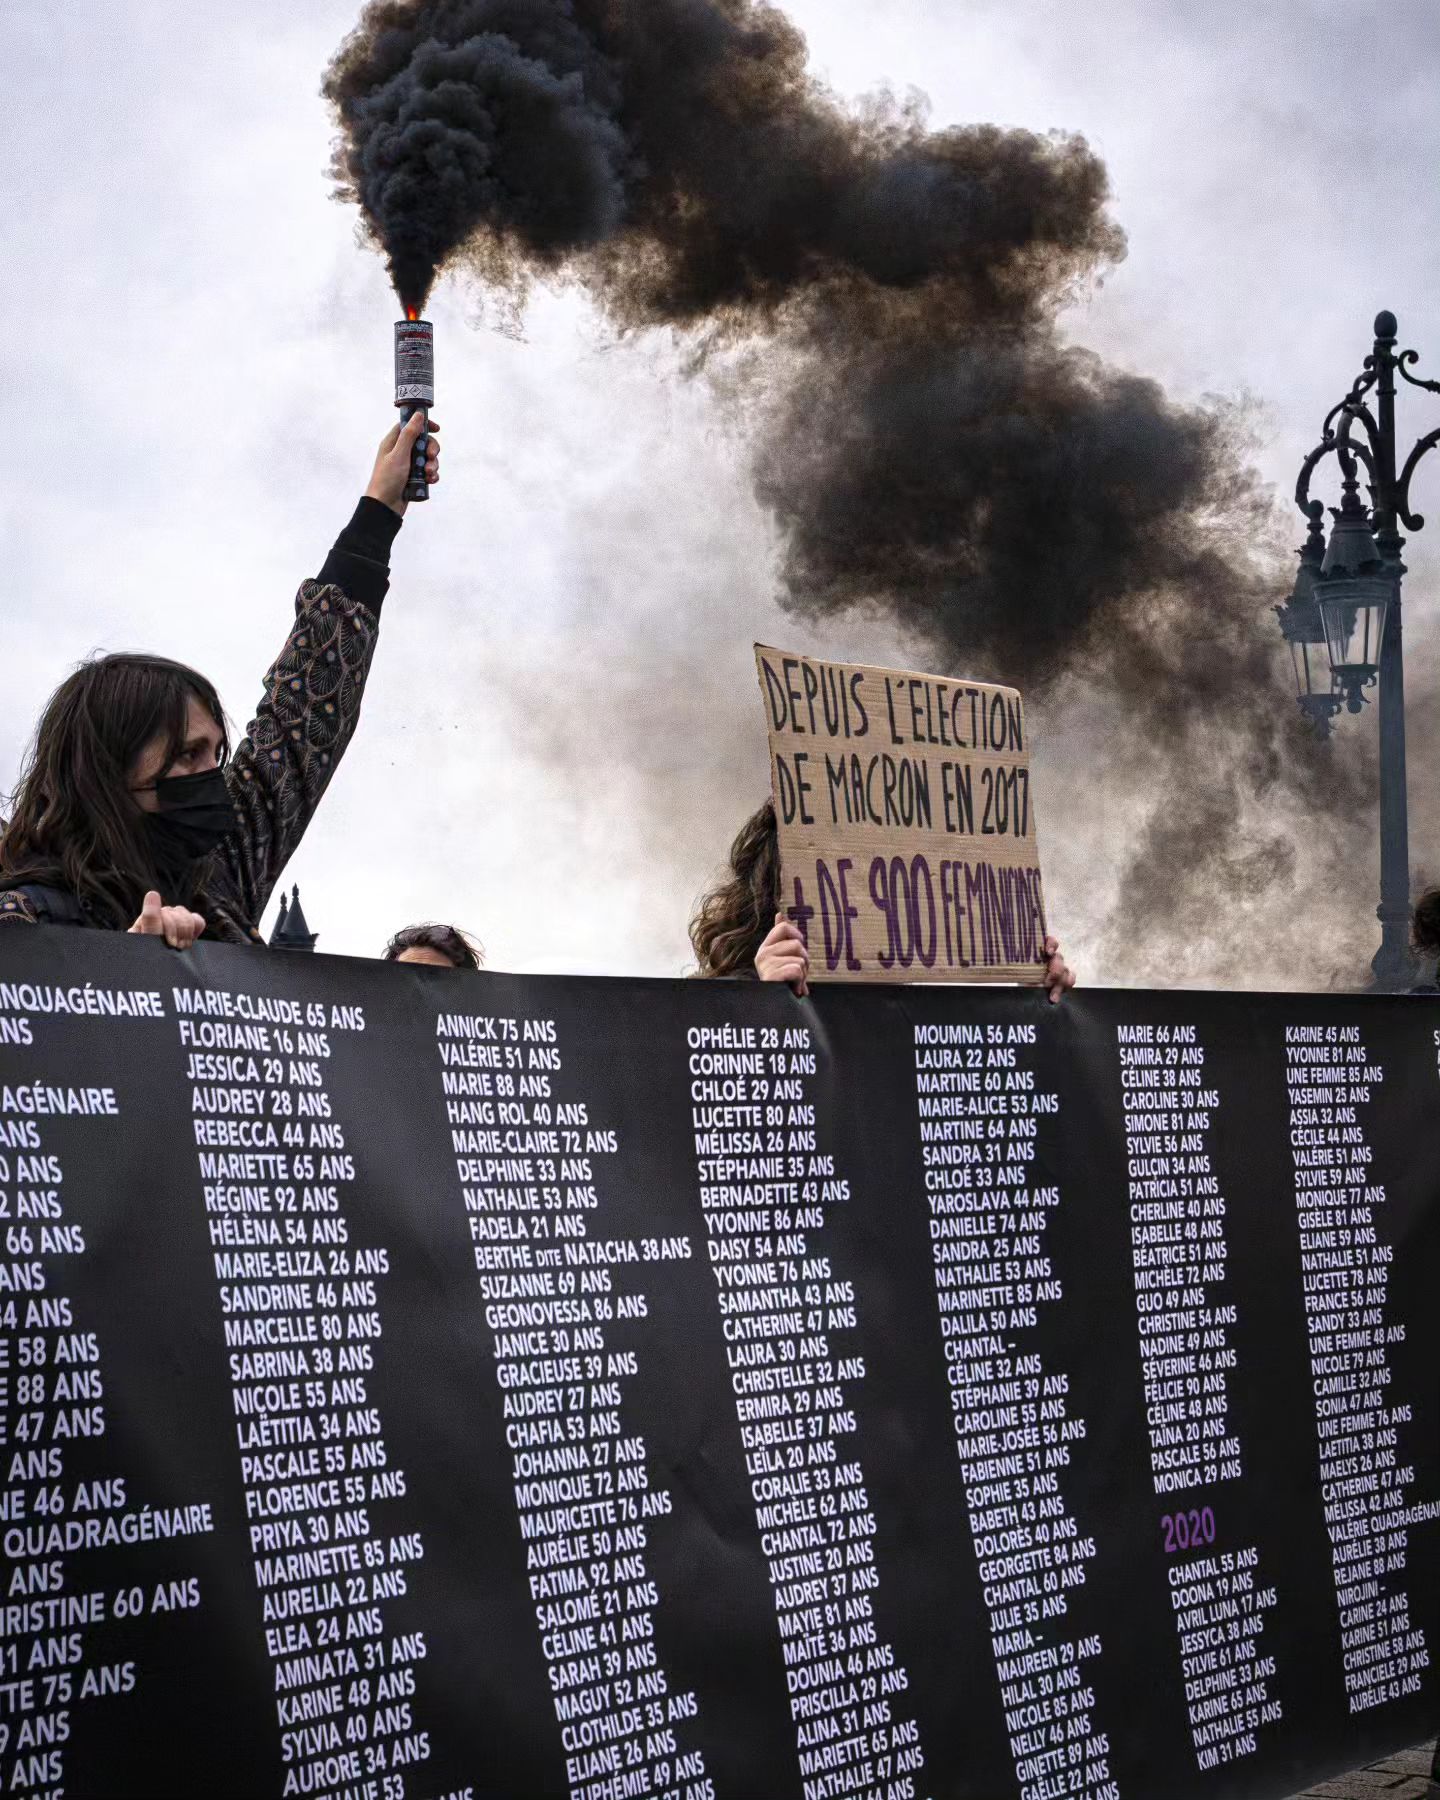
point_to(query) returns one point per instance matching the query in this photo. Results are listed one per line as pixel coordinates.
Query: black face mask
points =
(196, 816)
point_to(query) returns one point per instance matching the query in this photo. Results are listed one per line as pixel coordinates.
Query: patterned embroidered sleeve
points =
(305, 719)
(15, 909)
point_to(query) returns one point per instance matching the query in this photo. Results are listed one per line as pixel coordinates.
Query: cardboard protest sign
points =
(907, 822)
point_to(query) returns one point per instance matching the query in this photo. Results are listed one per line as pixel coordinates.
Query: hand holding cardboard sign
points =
(1059, 976)
(783, 956)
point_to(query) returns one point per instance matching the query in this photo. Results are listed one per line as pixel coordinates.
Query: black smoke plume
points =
(930, 446)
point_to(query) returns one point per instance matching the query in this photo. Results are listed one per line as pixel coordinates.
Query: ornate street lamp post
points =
(1348, 609)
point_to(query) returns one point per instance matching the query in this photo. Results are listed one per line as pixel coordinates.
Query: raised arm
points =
(311, 702)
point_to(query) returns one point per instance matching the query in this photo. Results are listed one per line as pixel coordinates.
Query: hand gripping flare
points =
(415, 392)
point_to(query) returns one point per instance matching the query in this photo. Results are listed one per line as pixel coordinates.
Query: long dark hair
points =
(733, 921)
(457, 947)
(1425, 923)
(74, 824)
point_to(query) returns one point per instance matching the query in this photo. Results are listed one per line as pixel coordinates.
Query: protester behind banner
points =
(439, 946)
(906, 823)
(1425, 938)
(739, 932)
(131, 807)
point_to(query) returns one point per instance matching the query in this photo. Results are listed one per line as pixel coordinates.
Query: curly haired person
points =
(739, 931)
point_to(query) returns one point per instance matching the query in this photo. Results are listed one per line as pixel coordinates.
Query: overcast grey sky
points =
(196, 368)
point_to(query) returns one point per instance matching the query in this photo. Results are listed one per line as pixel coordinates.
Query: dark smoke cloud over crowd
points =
(932, 448)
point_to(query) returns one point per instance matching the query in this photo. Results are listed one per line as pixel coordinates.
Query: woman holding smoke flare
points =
(739, 931)
(133, 815)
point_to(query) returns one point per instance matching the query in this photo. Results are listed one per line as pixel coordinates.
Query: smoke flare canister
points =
(415, 391)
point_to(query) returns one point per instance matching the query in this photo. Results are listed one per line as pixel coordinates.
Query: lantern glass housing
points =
(1312, 667)
(1304, 633)
(1354, 609)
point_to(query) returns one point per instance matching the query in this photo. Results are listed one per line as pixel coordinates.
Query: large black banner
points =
(435, 1386)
